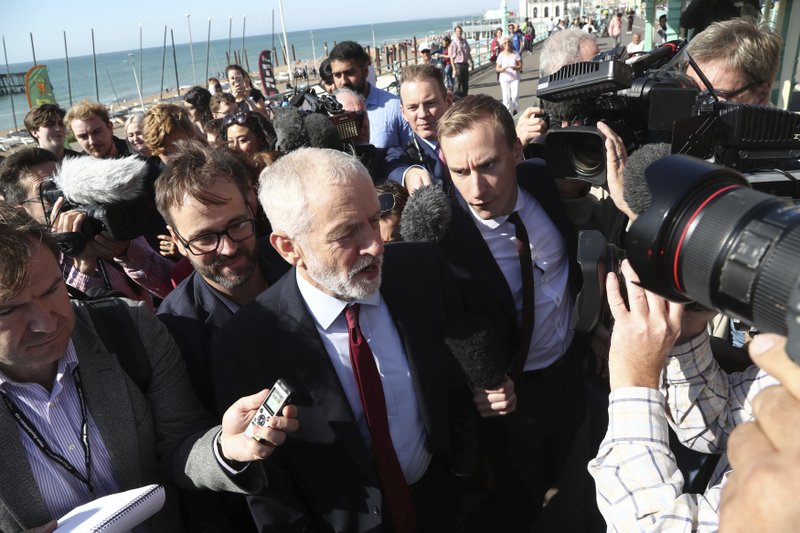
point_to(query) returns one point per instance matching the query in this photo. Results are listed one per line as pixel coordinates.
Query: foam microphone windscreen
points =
(568, 109)
(289, 129)
(88, 180)
(321, 132)
(635, 190)
(426, 215)
(474, 346)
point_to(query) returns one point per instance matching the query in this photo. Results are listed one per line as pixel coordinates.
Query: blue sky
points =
(116, 22)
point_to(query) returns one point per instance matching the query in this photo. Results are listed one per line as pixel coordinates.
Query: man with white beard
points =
(358, 331)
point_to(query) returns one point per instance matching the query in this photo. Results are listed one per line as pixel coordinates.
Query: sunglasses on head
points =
(238, 118)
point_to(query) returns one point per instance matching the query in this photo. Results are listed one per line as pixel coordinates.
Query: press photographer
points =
(92, 206)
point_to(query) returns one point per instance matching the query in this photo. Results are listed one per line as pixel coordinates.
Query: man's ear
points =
(178, 244)
(287, 248)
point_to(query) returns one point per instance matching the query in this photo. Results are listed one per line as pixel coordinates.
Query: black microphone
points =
(289, 129)
(474, 346)
(426, 215)
(635, 190)
(657, 56)
(321, 132)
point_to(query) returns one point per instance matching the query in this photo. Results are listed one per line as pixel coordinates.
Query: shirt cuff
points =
(231, 467)
(637, 414)
(403, 181)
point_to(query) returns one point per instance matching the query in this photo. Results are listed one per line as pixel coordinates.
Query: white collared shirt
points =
(552, 334)
(405, 420)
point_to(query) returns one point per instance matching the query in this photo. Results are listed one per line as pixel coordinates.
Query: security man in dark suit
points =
(358, 332)
(512, 249)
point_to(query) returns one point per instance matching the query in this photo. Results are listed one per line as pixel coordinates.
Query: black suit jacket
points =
(323, 478)
(416, 152)
(192, 313)
(481, 282)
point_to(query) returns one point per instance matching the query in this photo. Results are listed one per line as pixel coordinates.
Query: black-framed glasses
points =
(729, 95)
(239, 118)
(209, 242)
(387, 201)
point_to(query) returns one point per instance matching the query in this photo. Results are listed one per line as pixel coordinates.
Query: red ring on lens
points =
(686, 230)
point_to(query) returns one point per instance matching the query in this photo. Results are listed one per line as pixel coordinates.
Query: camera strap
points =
(34, 434)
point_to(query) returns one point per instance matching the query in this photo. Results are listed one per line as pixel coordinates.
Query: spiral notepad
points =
(116, 512)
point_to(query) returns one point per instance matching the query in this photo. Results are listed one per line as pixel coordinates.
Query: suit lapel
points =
(304, 351)
(109, 403)
(18, 491)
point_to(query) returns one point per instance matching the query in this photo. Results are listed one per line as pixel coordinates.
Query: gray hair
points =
(134, 117)
(285, 186)
(562, 48)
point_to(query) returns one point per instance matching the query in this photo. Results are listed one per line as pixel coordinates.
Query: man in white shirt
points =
(526, 282)
(358, 331)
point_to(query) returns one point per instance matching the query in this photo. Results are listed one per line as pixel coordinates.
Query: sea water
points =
(115, 76)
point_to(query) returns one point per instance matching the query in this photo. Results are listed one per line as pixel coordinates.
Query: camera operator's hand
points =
(71, 222)
(238, 447)
(761, 492)
(643, 335)
(107, 248)
(616, 156)
(530, 126)
(415, 178)
(495, 402)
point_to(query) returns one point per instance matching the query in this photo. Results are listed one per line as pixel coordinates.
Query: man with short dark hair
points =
(349, 66)
(75, 426)
(424, 99)
(45, 123)
(204, 194)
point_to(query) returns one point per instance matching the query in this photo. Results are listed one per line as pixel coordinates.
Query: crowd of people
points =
(415, 285)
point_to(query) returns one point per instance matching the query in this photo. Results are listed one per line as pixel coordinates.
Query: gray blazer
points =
(150, 437)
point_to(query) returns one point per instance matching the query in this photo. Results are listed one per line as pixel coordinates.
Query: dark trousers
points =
(526, 451)
(462, 79)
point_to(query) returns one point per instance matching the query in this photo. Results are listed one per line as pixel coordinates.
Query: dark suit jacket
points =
(192, 313)
(323, 478)
(415, 152)
(481, 282)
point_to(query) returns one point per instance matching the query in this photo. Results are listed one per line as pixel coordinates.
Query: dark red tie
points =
(393, 482)
(526, 267)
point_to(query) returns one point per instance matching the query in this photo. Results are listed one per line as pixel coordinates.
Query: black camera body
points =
(347, 123)
(709, 237)
(123, 220)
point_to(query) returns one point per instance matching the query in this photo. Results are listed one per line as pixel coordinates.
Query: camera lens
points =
(587, 156)
(708, 237)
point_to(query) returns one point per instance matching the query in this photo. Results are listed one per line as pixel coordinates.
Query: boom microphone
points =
(426, 216)
(635, 190)
(88, 180)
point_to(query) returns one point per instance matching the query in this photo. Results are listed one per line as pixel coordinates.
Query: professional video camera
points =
(709, 237)
(109, 192)
(348, 123)
(646, 99)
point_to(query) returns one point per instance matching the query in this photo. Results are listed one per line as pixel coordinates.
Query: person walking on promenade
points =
(509, 67)
(615, 29)
(449, 82)
(461, 57)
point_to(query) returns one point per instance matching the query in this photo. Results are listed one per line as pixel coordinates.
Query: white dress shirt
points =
(552, 334)
(405, 420)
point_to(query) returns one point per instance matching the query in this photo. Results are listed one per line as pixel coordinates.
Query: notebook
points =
(116, 512)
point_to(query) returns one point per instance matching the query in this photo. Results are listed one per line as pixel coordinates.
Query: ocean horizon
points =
(116, 80)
